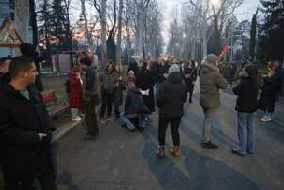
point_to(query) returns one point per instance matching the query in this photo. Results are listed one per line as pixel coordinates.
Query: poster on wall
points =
(9, 36)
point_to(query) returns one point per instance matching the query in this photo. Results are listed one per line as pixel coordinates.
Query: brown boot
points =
(175, 151)
(161, 152)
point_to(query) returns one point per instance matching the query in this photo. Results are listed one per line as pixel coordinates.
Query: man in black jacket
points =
(170, 99)
(246, 106)
(25, 132)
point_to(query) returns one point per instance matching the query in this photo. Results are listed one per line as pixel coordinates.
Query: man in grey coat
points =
(211, 81)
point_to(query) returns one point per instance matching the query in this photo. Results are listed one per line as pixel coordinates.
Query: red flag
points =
(224, 51)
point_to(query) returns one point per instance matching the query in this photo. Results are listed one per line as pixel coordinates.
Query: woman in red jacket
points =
(76, 92)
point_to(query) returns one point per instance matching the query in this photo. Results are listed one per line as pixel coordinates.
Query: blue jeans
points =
(129, 124)
(246, 132)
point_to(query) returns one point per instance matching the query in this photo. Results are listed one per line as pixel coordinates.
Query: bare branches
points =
(97, 5)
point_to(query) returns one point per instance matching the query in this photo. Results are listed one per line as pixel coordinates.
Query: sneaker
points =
(264, 118)
(268, 119)
(77, 118)
(238, 152)
(161, 152)
(209, 145)
(175, 151)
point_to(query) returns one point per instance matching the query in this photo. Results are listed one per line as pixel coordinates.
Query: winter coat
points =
(76, 91)
(269, 92)
(211, 81)
(134, 103)
(22, 151)
(91, 93)
(190, 75)
(131, 81)
(172, 96)
(146, 80)
(107, 82)
(247, 93)
(92, 83)
(162, 69)
(119, 86)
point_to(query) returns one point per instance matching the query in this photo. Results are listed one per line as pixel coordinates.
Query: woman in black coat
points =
(146, 81)
(269, 92)
(170, 100)
(190, 75)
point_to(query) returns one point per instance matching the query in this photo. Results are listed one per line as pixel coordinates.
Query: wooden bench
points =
(54, 108)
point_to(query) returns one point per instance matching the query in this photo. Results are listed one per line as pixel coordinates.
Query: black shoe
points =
(238, 152)
(209, 145)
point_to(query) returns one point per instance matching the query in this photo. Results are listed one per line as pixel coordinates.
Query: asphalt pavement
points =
(124, 160)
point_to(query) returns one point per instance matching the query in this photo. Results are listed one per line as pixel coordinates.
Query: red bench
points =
(54, 109)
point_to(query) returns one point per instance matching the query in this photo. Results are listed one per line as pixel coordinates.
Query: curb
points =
(63, 131)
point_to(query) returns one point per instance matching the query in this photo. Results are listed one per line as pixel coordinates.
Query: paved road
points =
(123, 160)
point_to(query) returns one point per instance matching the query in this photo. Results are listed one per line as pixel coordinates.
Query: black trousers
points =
(91, 117)
(163, 125)
(190, 88)
(107, 99)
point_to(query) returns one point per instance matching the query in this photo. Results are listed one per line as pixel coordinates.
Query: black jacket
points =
(172, 96)
(20, 122)
(145, 80)
(247, 92)
(134, 103)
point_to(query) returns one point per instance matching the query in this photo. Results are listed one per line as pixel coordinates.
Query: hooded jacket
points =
(172, 96)
(247, 92)
(211, 81)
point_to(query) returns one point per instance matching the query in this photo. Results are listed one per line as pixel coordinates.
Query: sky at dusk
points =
(245, 11)
(168, 7)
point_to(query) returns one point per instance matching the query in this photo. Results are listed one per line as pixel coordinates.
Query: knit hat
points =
(174, 68)
(251, 70)
(211, 59)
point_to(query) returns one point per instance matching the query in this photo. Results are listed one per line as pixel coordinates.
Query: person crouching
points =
(135, 109)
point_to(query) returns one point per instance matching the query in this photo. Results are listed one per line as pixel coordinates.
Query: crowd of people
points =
(166, 85)
(163, 86)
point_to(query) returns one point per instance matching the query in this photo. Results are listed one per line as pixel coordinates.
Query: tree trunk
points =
(140, 29)
(103, 32)
(204, 39)
(118, 45)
